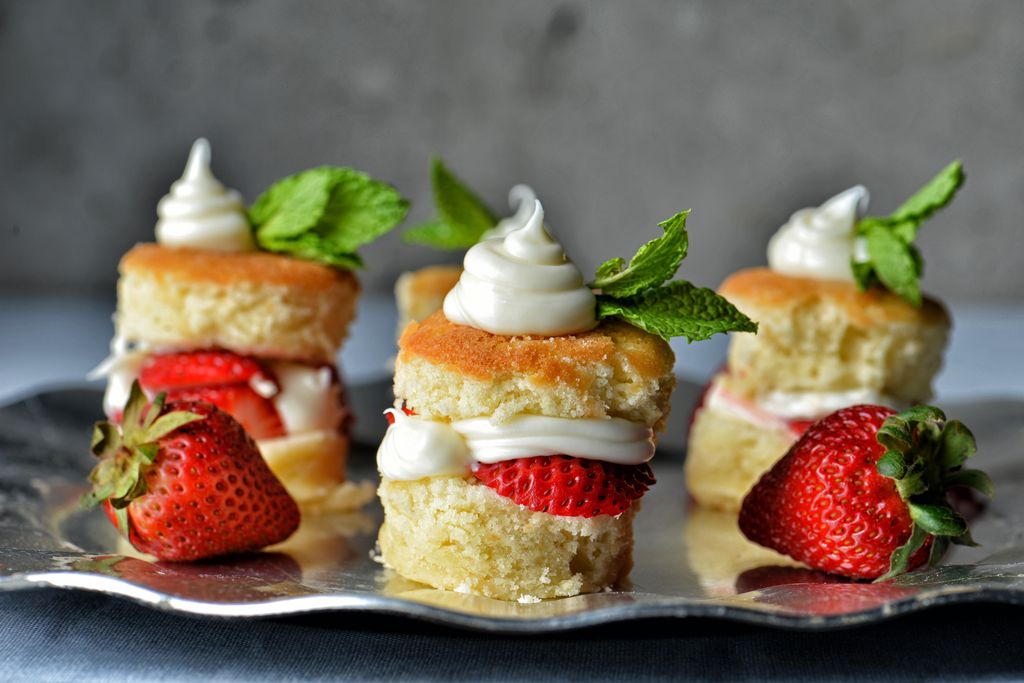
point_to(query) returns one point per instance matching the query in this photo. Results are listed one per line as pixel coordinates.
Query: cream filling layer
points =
(414, 447)
(776, 409)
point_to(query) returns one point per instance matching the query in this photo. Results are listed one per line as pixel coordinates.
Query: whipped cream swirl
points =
(415, 447)
(522, 284)
(521, 199)
(199, 212)
(820, 242)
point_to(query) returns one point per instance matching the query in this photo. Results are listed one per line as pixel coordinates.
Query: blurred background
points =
(618, 114)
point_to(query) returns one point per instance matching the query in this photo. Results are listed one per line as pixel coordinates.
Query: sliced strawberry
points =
(798, 427)
(192, 369)
(567, 486)
(257, 414)
(405, 409)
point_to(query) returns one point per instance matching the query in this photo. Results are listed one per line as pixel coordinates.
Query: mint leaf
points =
(894, 264)
(894, 261)
(325, 214)
(462, 217)
(654, 263)
(938, 192)
(677, 309)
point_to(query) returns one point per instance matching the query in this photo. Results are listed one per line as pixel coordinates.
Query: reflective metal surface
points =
(688, 561)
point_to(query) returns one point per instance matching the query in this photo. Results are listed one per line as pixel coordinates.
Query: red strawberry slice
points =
(192, 369)
(567, 486)
(405, 409)
(257, 414)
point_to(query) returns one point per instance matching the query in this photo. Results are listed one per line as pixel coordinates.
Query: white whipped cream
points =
(820, 242)
(120, 368)
(816, 404)
(307, 400)
(522, 284)
(613, 440)
(775, 409)
(199, 212)
(521, 199)
(414, 448)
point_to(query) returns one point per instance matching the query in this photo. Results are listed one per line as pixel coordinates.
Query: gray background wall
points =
(619, 113)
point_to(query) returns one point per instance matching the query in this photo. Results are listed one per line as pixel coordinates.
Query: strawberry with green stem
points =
(184, 481)
(863, 493)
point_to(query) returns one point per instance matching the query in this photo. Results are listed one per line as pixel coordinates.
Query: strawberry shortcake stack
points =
(210, 313)
(842, 322)
(525, 418)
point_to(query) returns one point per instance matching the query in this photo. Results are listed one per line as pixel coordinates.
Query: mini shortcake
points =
(210, 313)
(526, 412)
(842, 322)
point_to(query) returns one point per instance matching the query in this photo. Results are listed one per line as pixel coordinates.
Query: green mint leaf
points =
(654, 263)
(325, 214)
(938, 192)
(441, 235)
(894, 264)
(677, 309)
(894, 261)
(462, 217)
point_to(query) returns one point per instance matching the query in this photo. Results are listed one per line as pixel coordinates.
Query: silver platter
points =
(688, 561)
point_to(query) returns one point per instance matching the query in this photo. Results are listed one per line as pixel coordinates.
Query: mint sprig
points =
(462, 217)
(893, 260)
(642, 294)
(325, 214)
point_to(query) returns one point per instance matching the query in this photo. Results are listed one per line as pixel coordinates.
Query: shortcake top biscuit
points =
(421, 292)
(250, 302)
(826, 335)
(449, 371)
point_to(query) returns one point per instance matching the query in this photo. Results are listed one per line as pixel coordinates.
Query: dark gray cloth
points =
(52, 635)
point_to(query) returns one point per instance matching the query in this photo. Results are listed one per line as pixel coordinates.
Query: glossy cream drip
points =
(414, 447)
(522, 284)
(120, 369)
(821, 242)
(199, 212)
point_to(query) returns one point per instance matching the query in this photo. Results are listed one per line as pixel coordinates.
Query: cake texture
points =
(457, 534)
(826, 335)
(420, 293)
(820, 342)
(250, 302)
(453, 372)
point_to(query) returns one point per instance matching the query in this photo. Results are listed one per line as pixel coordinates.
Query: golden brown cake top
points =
(763, 288)
(483, 355)
(227, 267)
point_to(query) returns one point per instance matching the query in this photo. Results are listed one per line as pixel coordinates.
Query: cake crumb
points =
(527, 599)
(463, 588)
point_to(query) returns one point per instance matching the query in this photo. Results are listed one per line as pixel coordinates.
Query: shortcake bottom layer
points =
(727, 455)
(311, 465)
(456, 534)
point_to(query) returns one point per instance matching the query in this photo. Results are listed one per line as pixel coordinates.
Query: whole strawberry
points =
(863, 493)
(185, 482)
(567, 486)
